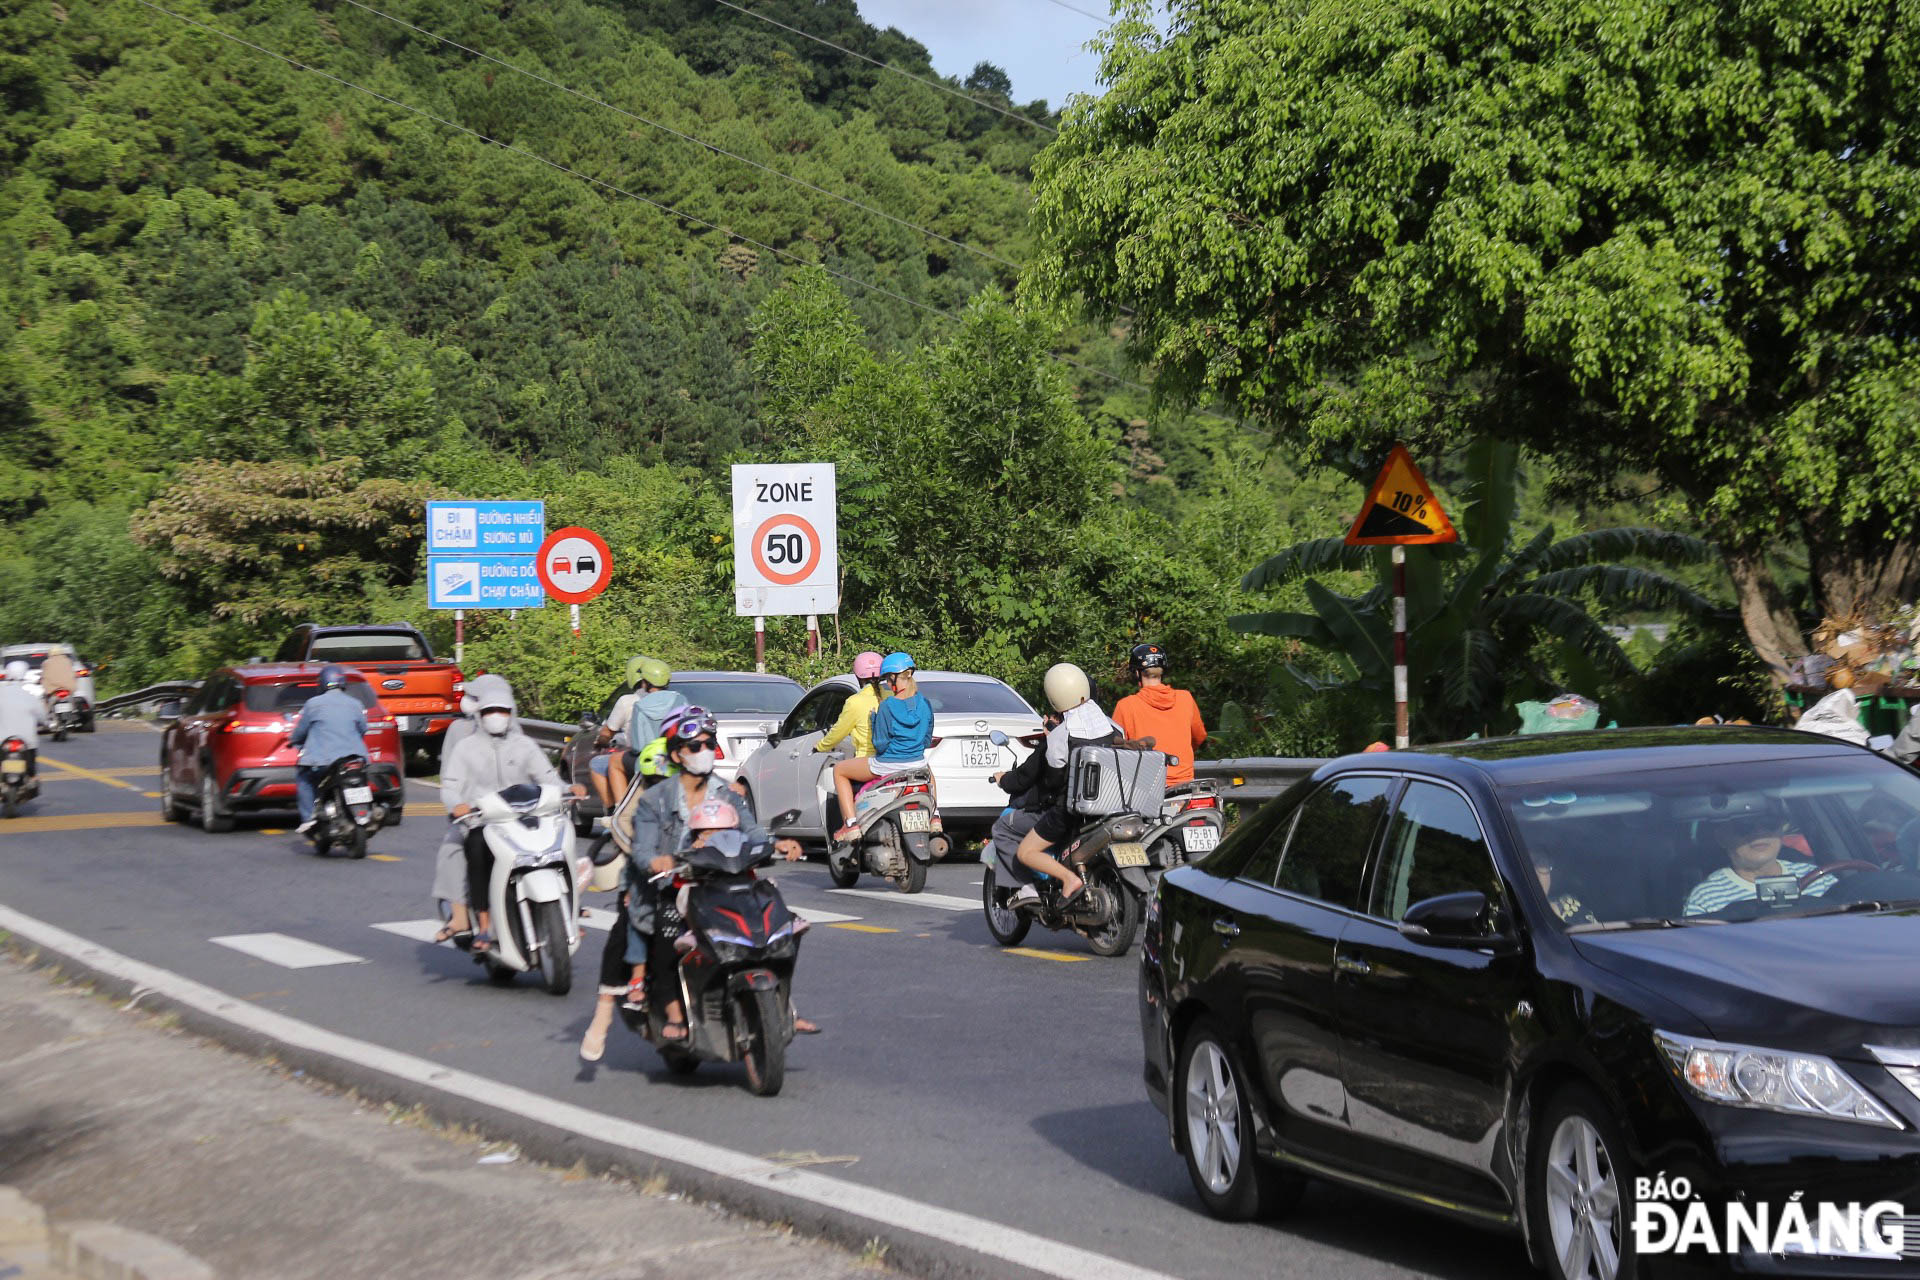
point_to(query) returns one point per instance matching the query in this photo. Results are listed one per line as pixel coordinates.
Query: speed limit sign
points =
(785, 539)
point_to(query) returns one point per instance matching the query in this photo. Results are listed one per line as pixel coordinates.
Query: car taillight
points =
(16, 744)
(459, 685)
(934, 741)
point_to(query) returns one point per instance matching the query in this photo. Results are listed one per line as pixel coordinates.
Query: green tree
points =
(1480, 612)
(1671, 238)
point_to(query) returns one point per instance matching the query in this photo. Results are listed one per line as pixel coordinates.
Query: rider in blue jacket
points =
(333, 726)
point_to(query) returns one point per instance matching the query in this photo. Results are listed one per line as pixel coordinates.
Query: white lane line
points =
(418, 930)
(979, 1235)
(939, 901)
(289, 953)
(598, 918)
(816, 916)
(423, 782)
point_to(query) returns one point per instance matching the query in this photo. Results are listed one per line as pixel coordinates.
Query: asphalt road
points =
(1000, 1084)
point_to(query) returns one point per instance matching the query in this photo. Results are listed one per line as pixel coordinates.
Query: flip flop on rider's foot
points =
(846, 833)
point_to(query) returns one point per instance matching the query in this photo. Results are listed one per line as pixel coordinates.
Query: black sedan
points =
(1649, 997)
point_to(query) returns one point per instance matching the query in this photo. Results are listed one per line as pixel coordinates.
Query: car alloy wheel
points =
(1213, 1117)
(1583, 1201)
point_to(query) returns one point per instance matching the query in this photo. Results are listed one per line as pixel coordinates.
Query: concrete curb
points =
(919, 1239)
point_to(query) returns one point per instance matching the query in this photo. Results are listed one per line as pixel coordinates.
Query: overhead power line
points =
(888, 66)
(588, 178)
(694, 139)
(1085, 13)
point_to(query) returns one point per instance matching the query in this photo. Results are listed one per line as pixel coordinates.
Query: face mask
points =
(496, 722)
(698, 763)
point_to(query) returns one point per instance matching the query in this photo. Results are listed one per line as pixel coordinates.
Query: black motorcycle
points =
(730, 943)
(17, 783)
(1108, 853)
(345, 812)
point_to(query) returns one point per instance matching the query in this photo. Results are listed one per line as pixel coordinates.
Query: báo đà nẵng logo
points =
(1669, 1219)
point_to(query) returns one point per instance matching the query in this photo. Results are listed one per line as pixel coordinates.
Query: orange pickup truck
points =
(422, 694)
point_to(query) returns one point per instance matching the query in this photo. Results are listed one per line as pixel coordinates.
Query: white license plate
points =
(1201, 838)
(1129, 855)
(980, 754)
(13, 766)
(916, 820)
(358, 795)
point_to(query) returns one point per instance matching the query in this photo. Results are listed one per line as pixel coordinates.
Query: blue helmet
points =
(896, 662)
(333, 676)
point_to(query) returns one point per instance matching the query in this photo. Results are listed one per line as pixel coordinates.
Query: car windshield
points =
(366, 648)
(289, 698)
(34, 660)
(740, 697)
(1731, 841)
(972, 697)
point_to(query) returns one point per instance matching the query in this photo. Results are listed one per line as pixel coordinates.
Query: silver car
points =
(36, 654)
(789, 774)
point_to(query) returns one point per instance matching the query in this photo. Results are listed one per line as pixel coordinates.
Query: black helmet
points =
(1144, 657)
(333, 676)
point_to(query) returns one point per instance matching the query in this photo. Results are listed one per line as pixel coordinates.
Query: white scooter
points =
(534, 893)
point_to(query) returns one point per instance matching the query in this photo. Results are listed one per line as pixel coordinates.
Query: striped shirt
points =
(1726, 886)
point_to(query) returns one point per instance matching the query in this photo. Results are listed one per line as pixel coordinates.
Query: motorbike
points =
(63, 714)
(733, 944)
(344, 810)
(17, 783)
(1191, 822)
(897, 841)
(1109, 853)
(534, 894)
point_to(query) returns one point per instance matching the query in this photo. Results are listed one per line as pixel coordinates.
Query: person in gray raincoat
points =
(498, 755)
(450, 860)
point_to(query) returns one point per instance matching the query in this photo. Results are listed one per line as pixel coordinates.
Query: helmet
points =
(652, 670)
(688, 724)
(333, 676)
(896, 662)
(633, 668)
(1143, 657)
(713, 815)
(1066, 686)
(18, 670)
(866, 665)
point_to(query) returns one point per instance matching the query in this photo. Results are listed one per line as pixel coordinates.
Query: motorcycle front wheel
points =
(357, 842)
(1116, 935)
(556, 962)
(1008, 927)
(757, 1026)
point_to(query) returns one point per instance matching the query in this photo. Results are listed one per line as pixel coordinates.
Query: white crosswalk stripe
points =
(939, 901)
(418, 930)
(291, 953)
(813, 915)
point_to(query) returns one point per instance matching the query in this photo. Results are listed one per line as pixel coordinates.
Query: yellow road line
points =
(1061, 956)
(76, 771)
(860, 928)
(151, 795)
(384, 857)
(80, 822)
(121, 770)
(273, 831)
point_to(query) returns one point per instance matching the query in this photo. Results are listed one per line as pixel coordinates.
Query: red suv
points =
(227, 751)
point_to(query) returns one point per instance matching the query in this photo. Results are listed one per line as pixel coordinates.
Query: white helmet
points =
(18, 670)
(1066, 686)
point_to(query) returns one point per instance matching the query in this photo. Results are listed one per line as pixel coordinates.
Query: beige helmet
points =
(1066, 686)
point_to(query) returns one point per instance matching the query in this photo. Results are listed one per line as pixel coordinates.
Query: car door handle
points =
(1352, 964)
(1226, 928)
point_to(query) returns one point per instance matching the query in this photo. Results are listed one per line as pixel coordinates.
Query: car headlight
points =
(1771, 1080)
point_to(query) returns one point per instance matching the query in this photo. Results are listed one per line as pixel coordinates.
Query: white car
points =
(36, 654)
(789, 774)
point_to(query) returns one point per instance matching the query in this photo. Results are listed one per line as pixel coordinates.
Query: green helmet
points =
(652, 670)
(652, 762)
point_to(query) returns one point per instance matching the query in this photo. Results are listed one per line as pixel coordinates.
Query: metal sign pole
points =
(460, 638)
(574, 611)
(760, 643)
(1400, 738)
(813, 635)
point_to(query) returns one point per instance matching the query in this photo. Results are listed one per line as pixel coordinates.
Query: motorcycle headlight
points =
(1741, 1075)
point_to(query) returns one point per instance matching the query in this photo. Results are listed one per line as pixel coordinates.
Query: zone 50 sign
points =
(786, 555)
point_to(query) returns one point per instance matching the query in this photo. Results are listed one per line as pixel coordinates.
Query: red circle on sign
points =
(550, 552)
(785, 578)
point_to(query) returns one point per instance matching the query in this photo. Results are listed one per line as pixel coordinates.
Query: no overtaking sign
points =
(786, 556)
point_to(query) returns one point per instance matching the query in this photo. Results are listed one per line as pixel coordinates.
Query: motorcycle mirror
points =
(997, 738)
(786, 817)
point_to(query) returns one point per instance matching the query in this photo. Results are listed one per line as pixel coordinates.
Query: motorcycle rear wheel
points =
(556, 962)
(916, 874)
(1116, 935)
(757, 1026)
(1008, 927)
(844, 874)
(9, 807)
(357, 843)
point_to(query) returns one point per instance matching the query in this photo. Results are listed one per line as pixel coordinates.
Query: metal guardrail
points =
(152, 695)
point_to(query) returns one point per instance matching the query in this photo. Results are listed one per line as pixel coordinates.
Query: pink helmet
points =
(866, 666)
(713, 815)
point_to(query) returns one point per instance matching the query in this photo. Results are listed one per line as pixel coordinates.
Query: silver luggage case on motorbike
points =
(1103, 781)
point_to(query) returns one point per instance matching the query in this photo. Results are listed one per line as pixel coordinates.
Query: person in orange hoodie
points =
(1159, 711)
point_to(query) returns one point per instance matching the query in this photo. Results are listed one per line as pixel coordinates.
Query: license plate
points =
(410, 724)
(358, 795)
(916, 820)
(1201, 838)
(1129, 855)
(13, 766)
(980, 754)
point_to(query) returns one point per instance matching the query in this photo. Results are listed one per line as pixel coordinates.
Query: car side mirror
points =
(773, 737)
(1453, 920)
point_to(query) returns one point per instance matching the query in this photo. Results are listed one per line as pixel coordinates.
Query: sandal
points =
(480, 943)
(1074, 899)
(593, 1045)
(673, 1032)
(805, 1027)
